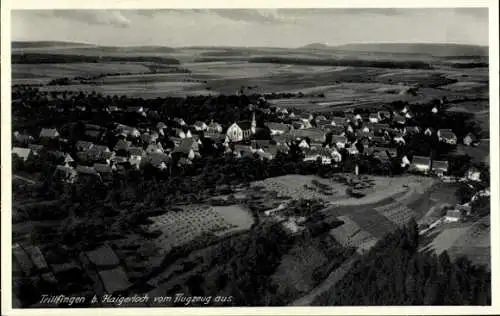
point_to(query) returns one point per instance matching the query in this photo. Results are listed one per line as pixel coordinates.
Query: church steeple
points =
(254, 123)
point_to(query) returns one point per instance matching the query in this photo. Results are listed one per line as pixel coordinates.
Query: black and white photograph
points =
(244, 157)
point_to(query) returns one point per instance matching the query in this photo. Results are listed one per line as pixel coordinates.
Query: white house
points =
(303, 144)
(453, 216)
(405, 162)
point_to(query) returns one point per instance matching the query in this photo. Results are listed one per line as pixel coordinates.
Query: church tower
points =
(253, 126)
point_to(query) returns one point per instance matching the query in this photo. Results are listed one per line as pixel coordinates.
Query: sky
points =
(252, 27)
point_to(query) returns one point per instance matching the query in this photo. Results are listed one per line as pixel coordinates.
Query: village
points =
(349, 142)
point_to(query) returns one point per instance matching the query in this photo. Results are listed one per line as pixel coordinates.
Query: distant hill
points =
(320, 46)
(438, 50)
(46, 44)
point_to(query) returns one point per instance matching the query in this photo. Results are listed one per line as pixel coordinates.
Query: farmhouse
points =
(241, 130)
(49, 133)
(447, 136)
(420, 164)
(277, 128)
(440, 168)
(22, 153)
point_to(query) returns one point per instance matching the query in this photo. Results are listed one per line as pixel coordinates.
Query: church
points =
(240, 131)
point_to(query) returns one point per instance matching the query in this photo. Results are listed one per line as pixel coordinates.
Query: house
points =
(136, 155)
(303, 144)
(268, 153)
(260, 143)
(83, 145)
(314, 144)
(154, 148)
(242, 151)
(453, 216)
(339, 141)
(161, 126)
(200, 126)
(179, 121)
(277, 128)
(22, 138)
(183, 161)
(429, 131)
(380, 141)
(353, 149)
(104, 170)
(320, 118)
(439, 168)
(405, 109)
(420, 164)
(306, 117)
(67, 159)
(379, 128)
(398, 139)
(405, 162)
(150, 138)
(93, 134)
(383, 115)
(135, 109)
(241, 130)
(86, 171)
(447, 136)
(65, 174)
(323, 154)
(158, 160)
(398, 119)
(102, 152)
(301, 124)
(22, 153)
(314, 134)
(128, 131)
(411, 130)
(178, 132)
(214, 127)
(373, 118)
(470, 140)
(285, 139)
(365, 134)
(49, 133)
(325, 125)
(473, 174)
(339, 121)
(36, 149)
(385, 154)
(337, 130)
(122, 145)
(187, 148)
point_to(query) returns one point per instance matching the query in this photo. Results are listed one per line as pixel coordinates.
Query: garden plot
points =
(181, 227)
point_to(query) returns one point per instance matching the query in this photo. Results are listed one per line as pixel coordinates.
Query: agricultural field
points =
(182, 226)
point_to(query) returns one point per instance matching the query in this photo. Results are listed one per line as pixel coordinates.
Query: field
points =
(182, 226)
(226, 70)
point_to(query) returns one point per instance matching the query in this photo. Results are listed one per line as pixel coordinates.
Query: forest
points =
(394, 272)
